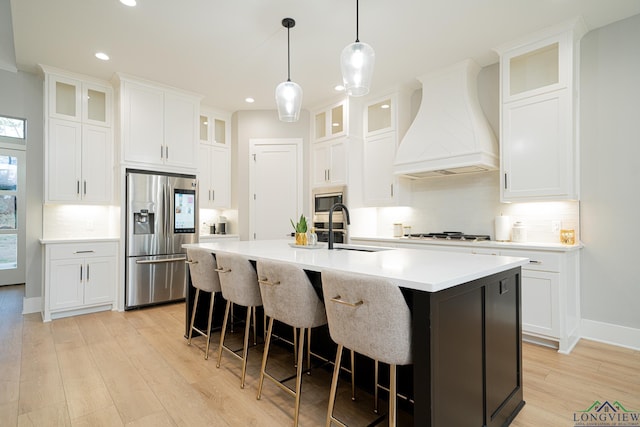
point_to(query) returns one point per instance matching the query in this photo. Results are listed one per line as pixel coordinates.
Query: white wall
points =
(21, 96)
(247, 125)
(610, 199)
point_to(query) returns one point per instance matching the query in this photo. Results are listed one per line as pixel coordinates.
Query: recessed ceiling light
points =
(103, 56)
(249, 100)
(338, 88)
(129, 3)
(384, 106)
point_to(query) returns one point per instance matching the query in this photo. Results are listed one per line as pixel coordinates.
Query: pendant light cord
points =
(357, 21)
(288, 55)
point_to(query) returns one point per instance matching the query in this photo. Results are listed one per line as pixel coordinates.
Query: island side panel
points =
(468, 354)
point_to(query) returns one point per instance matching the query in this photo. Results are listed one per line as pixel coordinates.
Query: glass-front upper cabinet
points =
(214, 127)
(536, 68)
(75, 100)
(330, 122)
(379, 116)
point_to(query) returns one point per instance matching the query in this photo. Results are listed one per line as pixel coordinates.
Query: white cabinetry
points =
(550, 297)
(214, 177)
(331, 122)
(550, 288)
(380, 186)
(214, 160)
(79, 278)
(329, 162)
(538, 148)
(330, 145)
(159, 126)
(78, 139)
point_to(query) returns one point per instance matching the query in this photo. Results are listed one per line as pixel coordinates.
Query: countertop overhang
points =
(423, 270)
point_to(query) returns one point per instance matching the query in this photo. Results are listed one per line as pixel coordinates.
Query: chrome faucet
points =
(346, 214)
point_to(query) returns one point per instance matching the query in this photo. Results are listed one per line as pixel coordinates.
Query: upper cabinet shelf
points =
(77, 99)
(331, 122)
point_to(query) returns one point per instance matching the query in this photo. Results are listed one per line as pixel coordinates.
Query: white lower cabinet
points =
(79, 278)
(550, 289)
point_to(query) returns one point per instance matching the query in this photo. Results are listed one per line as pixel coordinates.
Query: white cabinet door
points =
(204, 176)
(378, 182)
(338, 164)
(64, 96)
(329, 163)
(320, 164)
(540, 297)
(65, 284)
(64, 159)
(97, 164)
(536, 148)
(99, 280)
(180, 126)
(143, 128)
(221, 177)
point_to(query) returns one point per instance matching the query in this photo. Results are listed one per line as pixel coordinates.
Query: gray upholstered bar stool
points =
(289, 297)
(202, 268)
(368, 315)
(239, 283)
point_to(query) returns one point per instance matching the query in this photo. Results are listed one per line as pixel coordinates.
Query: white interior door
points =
(12, 216)
(275, 175)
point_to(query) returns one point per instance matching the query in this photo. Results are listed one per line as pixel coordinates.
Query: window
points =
(11, 127)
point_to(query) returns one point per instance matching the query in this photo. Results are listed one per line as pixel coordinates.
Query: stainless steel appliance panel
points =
(146, 192)
(156, 278)
(161, 216)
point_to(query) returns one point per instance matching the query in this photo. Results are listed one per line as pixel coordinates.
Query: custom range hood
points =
(450, 134)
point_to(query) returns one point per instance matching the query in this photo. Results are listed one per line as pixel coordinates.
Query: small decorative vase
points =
(301, 239)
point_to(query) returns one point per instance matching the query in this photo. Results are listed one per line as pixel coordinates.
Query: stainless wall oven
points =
(323, 199)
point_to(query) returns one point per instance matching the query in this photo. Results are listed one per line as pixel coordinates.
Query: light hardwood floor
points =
(135, 369)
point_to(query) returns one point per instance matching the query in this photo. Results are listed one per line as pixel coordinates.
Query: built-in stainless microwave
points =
(323, 199)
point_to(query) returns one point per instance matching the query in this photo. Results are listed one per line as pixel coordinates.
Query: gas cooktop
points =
(448, 235)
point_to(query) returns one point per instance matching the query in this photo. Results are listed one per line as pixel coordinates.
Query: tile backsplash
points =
(467, 203)
(80, 221)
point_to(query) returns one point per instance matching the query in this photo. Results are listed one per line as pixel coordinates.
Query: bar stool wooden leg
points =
(193, 314)
(299, 376)
(255, 326)
(309, 352)
(222, 332)
(353, 375)
(206, 353)
(245, 347)
(392, 396)
(267, 343)
(334, 386)
(375, 390)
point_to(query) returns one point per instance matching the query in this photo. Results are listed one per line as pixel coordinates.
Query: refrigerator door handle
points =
(160, 261)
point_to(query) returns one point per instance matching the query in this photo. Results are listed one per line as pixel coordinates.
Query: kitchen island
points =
(466, 322)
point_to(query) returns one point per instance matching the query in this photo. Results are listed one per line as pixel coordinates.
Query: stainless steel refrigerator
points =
(162, 215)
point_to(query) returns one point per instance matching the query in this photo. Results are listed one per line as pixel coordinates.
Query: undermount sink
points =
(360, 248)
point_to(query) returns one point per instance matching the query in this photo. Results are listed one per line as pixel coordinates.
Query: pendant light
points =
(288, 94)
(356, 62)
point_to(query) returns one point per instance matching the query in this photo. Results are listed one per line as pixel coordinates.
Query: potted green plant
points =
(300, 228)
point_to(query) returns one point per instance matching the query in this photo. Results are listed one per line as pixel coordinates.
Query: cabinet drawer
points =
(82, 250)
(542, 261)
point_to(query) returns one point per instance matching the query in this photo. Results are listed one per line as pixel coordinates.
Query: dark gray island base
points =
(467, 350)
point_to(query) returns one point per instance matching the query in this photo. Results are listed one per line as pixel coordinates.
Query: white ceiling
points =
(227, 50)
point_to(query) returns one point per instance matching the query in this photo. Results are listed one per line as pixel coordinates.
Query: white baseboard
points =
(608, 333)
(31, 305)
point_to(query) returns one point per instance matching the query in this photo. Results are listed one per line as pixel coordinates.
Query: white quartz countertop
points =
(423, 270)
(59, 240)
(489, 244)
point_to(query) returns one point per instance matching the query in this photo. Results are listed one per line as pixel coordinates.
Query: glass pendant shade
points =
(357, 61)
(288, 101)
